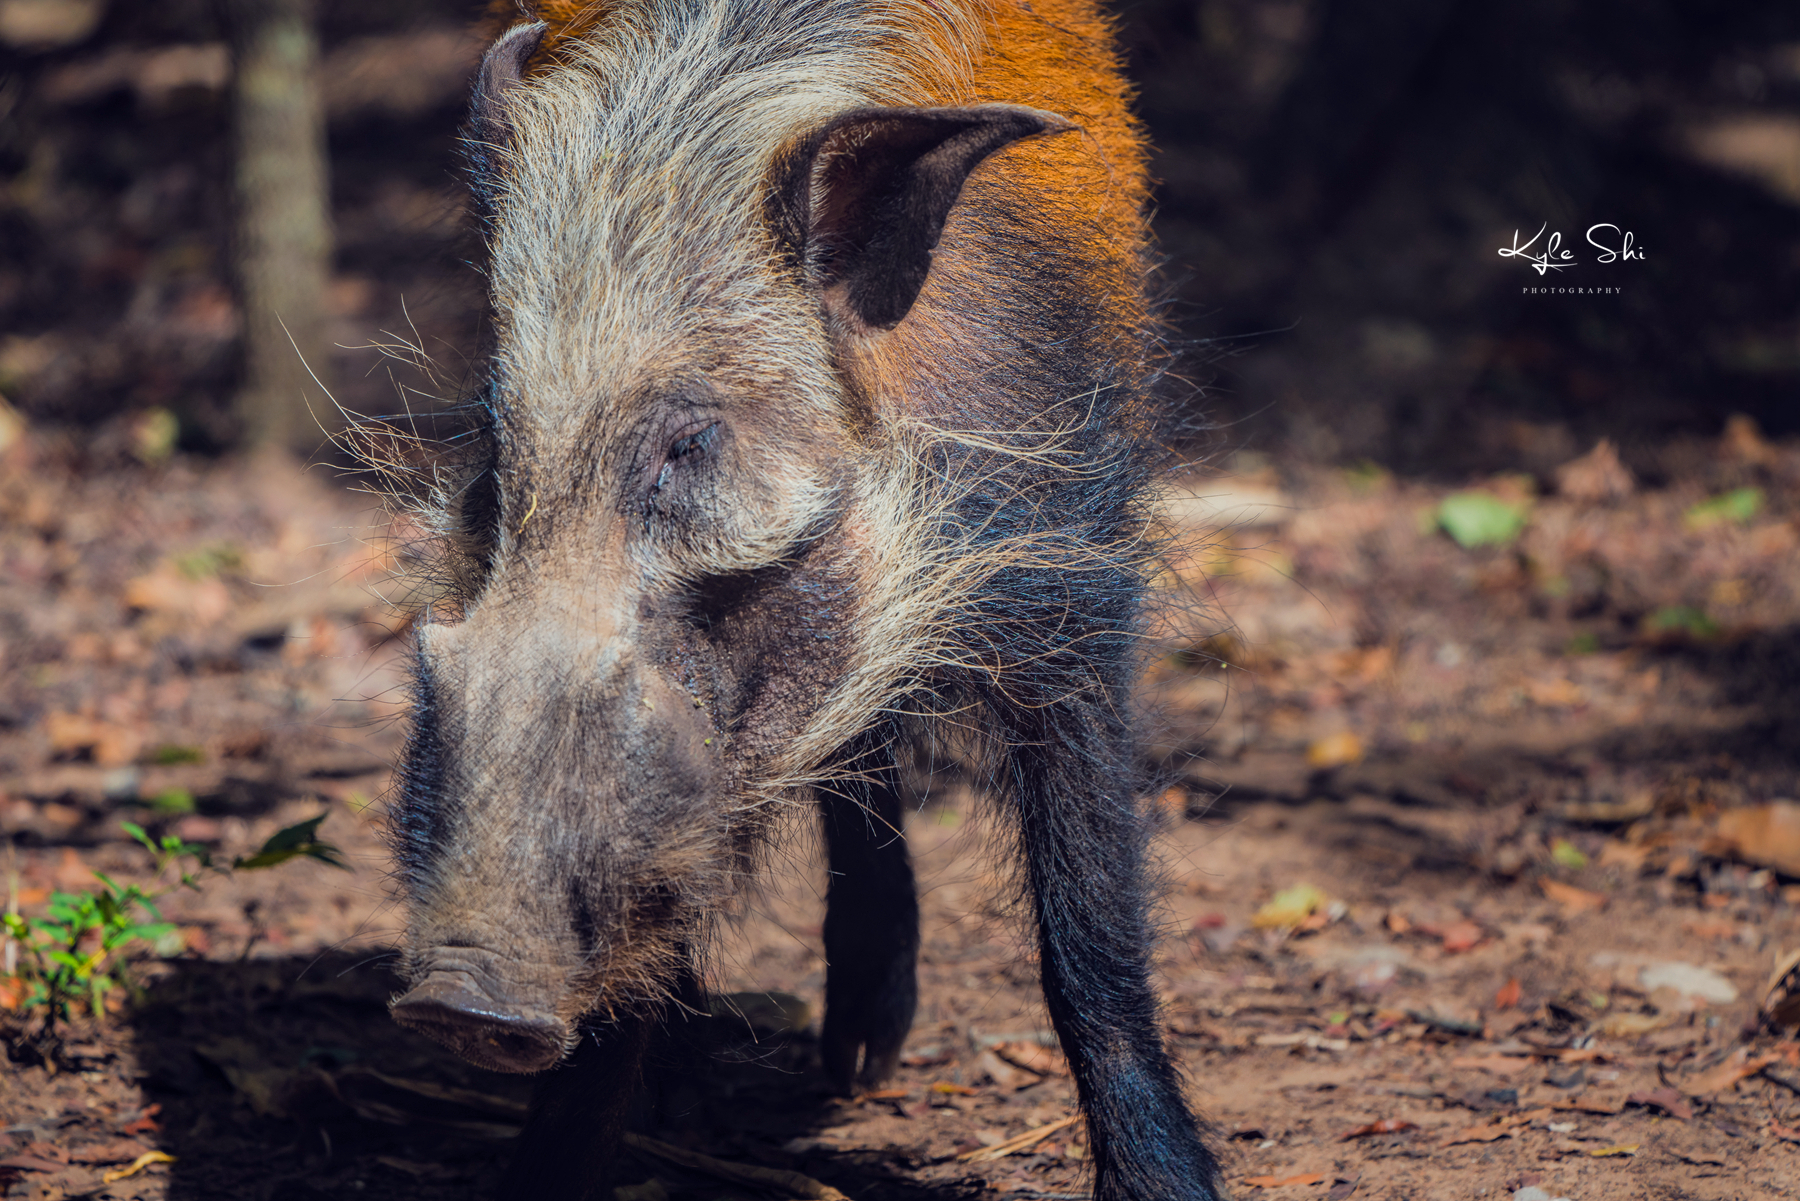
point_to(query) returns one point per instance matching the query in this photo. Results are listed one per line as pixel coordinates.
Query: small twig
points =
(1029, 1139)
(791, 1184)
(256, 929)
(137, 1165)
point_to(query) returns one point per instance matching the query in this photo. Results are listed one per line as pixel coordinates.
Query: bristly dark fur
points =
(664, 576)
(412, 817)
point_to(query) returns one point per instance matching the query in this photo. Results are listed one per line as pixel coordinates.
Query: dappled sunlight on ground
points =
(1476, 835)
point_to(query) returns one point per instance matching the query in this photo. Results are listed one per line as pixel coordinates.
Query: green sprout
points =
(1682, 619)
(76, 952)
(1736, 507)
(1480, 519)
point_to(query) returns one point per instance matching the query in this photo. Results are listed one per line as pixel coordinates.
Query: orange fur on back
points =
(1083, 193)
(1086, 187)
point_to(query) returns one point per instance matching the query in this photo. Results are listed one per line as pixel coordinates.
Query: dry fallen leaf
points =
(1614, 853)
(48, 1151)
(31, 1163)
(1004, 1074)
(1284, 1181)
(1766, 835)
(1701, 1159)
(1572, 899)
(1583, 1055)
(1665, 1099)
(1619, 1149)
(119, 1150)
(166, 590)
(1631, 1025)
(1504, 1127)
(1289, 907)
(1688, 980)
(1559, 693)
(1727, 1074)
(1462, 936)
(144, 1123)
(1743, 440)
(1781, 999)
(1033, 1057)
(1019, 1143)
(1172, 801)
(1509, 994)
(1335, 750)
(1596, 477)
(109, 744)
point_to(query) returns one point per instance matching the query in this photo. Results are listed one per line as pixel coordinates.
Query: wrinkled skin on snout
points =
(573, 807)
(570, 813)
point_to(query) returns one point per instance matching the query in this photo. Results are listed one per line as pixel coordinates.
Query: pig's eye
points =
(688, 447)
(693, 442)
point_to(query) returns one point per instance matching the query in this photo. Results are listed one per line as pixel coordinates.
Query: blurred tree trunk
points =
(283, 232)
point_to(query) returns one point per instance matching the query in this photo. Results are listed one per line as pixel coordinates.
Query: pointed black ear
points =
(862, 202)
(502, 68)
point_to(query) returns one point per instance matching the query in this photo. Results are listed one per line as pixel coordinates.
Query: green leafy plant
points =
(1681, 620)
(1736, 507)
(174, 754)
(76, 952)
(1568, 854)
(1480, 519)
(208, 561)
(74, 949)
(297, 841)
(173, 800)
(1366, 477)
(1584, 643)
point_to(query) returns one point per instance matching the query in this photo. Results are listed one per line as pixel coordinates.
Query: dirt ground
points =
(1478, 861)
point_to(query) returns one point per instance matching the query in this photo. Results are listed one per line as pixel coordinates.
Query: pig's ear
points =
(862, 202)
(502, 69)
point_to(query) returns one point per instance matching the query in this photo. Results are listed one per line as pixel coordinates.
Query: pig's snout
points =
(455, 1007)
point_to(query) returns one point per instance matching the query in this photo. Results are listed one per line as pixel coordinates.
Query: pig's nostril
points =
(451, 1010)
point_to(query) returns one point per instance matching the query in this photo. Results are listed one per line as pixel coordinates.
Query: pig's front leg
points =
(1084, 836)
(578, 1114)
(871, 924)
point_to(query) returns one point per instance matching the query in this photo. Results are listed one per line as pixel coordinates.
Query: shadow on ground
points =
(284, 1079)
(1762, 672)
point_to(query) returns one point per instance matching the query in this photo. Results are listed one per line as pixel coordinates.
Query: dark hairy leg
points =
(871, 925)
(578, 1114)
(1070, 775)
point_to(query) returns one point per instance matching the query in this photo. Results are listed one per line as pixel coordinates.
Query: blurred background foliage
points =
(1337, 179)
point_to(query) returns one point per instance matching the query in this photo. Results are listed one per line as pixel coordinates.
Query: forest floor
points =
(1478, 858)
